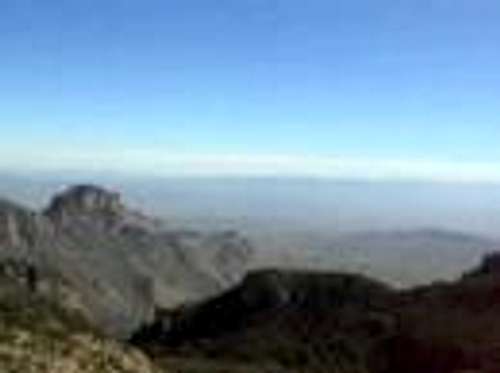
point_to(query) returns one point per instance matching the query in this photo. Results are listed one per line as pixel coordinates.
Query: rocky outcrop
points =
(85, 200)
(78, 353)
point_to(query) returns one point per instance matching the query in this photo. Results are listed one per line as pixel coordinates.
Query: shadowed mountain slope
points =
(317, 322)
(298, 321)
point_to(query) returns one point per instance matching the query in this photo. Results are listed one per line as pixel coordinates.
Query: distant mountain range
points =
(403, 258)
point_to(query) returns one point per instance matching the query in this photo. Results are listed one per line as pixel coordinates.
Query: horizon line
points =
(160, 163)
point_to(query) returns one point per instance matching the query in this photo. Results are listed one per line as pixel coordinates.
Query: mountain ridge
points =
(314, 322)
(118, 260)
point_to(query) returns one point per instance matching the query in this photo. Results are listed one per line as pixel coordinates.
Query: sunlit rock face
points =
(117, 262)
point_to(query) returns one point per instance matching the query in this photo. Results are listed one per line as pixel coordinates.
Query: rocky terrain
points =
(115, 264)
(39, 335)
(90, 285)
(322, 322)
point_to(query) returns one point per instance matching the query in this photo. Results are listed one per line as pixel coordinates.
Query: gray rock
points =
(115, 263)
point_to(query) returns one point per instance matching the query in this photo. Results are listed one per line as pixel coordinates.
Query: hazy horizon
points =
(289, 205)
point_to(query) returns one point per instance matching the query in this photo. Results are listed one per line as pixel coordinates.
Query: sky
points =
(345, 88)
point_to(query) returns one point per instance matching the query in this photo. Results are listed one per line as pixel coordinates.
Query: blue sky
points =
(337, 88)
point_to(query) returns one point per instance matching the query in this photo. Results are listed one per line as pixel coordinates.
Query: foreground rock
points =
(38, 335)
(31, 352)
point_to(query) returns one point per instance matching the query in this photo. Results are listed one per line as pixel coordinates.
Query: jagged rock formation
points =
(118, 262)
(77, 353)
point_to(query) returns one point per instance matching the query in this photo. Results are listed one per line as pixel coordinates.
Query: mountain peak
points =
(85, 199)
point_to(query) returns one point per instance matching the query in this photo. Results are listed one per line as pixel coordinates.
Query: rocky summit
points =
(85, 199)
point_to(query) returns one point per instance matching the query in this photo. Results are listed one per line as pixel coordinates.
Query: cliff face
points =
(20, 227)
(119, 262)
